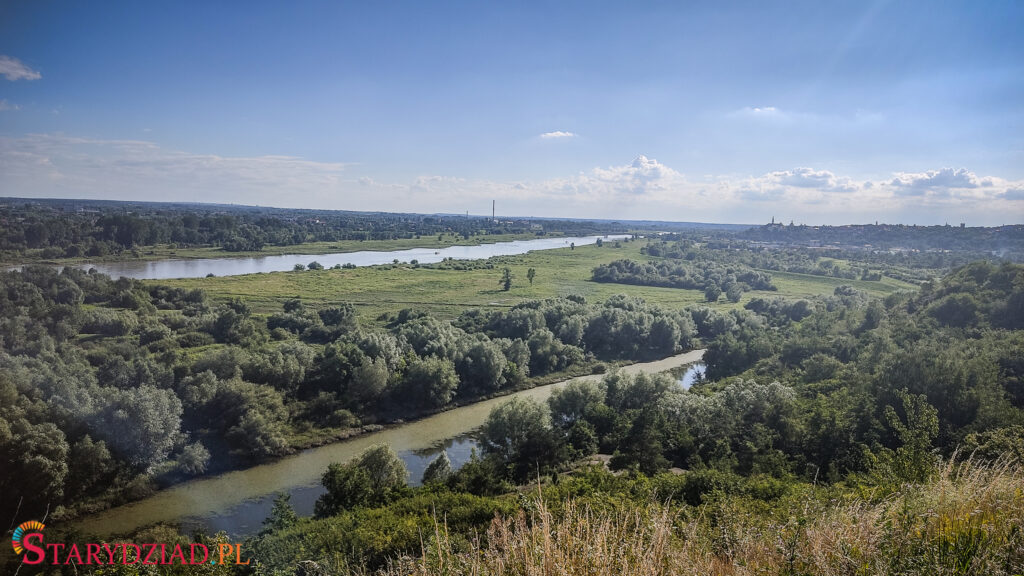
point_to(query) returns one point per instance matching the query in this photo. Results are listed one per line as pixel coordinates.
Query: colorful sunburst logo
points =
(20, 531)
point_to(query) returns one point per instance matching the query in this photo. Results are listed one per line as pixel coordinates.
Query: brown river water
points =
(238, 501)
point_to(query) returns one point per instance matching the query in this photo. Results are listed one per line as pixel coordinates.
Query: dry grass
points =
(967, 520)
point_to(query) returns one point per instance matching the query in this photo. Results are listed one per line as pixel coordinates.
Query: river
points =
(238, 501)
(199, 268)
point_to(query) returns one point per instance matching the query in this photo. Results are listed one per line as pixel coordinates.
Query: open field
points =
(446, 293)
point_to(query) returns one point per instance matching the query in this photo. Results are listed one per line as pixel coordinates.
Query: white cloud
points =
(14, 69)
(1014, 194)
(557, 135)
(810, 178)
(759, 112)
(57, 165)
(937, 179)
(5, 106)
(65, 166)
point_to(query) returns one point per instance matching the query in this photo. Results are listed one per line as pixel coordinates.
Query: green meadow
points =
(446, 293)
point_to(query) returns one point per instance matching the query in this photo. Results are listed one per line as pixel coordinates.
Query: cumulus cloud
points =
(14, 69)
(65, 166)
(643, 176)
(937, 179)
(557, 135)
(811, 178)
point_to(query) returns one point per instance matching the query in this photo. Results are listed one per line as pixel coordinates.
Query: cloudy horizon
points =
(850, 113)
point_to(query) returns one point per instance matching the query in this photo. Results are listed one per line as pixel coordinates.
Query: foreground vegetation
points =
(964, 520)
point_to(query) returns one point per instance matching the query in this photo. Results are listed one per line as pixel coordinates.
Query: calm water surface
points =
(692, 375)
(238, 501)
(199, 268)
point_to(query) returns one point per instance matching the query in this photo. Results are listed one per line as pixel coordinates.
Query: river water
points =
(161, 269)
(692, 375)
(238, 501)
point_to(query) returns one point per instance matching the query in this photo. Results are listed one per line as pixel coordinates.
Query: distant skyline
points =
(817, 112)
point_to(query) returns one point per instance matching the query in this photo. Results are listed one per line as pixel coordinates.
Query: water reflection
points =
(693, 374)
(247, 518)
(200, 268)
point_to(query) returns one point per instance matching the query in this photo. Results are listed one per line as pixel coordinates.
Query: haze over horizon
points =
(832, 113)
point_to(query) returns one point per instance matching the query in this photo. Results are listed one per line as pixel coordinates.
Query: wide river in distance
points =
(201, 267)
(238, 502)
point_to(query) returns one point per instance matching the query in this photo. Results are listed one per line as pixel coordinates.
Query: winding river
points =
(162, 269)
(238, 501)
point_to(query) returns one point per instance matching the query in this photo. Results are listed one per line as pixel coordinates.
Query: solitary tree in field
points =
(712, 292)
(530, 274)
(506, 280)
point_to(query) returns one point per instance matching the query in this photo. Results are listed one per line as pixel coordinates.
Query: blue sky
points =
(820, 112)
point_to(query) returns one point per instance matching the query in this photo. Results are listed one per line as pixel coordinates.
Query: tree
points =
(429, 382)
(194, 459)
(282, 515)
(141, 424)
(439, 470)
(570, 403)
(373, 477)
(712, 293)
(531, 274)
(506, 279)
(88, 463)
(518, 433)
(914, 460)
(369, 382)
(299, 267)
(384, 467)
(347, 486)
(480, 367)
(664, 336)
(34, 462)
(314, 265)
(734, 293)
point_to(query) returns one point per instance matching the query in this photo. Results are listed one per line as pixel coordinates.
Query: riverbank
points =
(212, 496)
(264, 264)
(172, 252)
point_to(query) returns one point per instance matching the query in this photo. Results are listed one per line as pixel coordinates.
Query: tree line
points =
(67, 228)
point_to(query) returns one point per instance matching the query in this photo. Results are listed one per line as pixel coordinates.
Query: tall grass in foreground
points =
(968, 519)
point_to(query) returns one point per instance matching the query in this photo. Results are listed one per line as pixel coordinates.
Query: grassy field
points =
(168, 252)
(446, 293)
